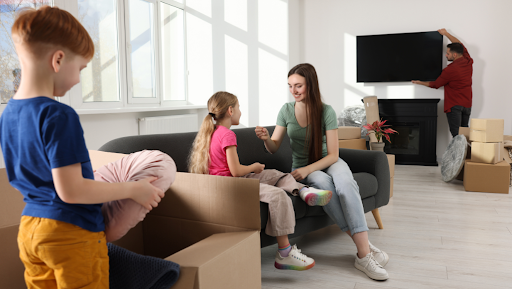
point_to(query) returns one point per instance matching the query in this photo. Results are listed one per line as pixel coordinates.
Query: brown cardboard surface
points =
(192, 197)
(11, 207)
(349, 132)
(371, 106)
(491, 178)
(99, 158)
(356, 144)
(391, 189)
(465, 132)
(486, 130)
(11, 267)
(216, 256)
(488, 153)
(11, 202)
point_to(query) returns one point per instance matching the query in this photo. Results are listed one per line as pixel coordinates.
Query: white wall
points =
(325, 33)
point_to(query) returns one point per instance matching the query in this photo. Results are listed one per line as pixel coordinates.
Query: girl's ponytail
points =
(200, 154)
(199, 158)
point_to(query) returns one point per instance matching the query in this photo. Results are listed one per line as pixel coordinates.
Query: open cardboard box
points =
(208, 224)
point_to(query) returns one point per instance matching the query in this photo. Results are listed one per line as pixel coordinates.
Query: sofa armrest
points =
(372, 162)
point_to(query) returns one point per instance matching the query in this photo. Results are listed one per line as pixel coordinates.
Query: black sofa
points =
(370, 169)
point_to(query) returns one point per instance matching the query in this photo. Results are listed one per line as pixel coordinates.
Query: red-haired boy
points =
(61, 238)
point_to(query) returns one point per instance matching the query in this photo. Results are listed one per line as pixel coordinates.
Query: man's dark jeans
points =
(459, 116)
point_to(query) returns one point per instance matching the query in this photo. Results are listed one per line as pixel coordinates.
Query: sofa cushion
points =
(367, 183)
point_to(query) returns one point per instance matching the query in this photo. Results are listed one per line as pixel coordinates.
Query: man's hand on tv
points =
(442, 31)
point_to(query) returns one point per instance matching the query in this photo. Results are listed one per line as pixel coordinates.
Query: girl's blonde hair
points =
(218, 105)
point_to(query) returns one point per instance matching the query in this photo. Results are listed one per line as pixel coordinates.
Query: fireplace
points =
(416, 123)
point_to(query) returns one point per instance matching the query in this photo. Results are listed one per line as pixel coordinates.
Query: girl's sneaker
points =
(315, 197)
(295, 261)
(371, 267)
(379, 255)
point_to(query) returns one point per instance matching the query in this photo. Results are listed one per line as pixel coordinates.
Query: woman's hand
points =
(261, 133)
(300, 174)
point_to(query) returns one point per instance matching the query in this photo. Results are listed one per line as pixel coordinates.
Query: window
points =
(172, 52)
(139, 55)
(100, 79)
(10, 70)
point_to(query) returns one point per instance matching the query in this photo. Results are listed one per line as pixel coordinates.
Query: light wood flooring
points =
(436, 234)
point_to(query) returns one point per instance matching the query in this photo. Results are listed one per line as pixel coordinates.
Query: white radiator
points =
(168, 124)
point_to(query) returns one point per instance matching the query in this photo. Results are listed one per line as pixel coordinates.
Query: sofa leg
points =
(376, 215)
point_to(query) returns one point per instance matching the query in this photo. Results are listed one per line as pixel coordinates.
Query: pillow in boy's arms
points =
(122, 215)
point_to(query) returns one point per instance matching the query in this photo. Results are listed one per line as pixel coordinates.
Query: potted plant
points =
(379, 129)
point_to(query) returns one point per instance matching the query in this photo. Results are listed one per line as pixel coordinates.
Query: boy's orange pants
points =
(61, 255)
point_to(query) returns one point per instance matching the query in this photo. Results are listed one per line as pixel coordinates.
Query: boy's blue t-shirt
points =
(37, 135)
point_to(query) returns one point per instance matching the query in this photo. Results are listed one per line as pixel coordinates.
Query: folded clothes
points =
(129, 270)
(122, 215)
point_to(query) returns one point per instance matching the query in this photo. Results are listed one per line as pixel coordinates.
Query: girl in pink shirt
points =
(214, 152)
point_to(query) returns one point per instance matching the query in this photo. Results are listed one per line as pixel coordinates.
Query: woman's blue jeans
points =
(345, 207)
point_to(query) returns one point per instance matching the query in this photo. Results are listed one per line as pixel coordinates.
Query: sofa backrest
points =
(178, 145)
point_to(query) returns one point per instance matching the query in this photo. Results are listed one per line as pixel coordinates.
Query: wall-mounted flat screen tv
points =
(399, 57)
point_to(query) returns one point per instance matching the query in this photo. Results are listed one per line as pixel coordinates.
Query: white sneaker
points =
(315, 197)
(295, 261)
(379, 255)
(371, 267)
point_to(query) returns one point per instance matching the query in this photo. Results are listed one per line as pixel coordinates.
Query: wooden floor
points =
(436, 234)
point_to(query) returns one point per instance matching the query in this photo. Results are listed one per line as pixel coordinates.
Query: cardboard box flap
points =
(99, 158)
(213, 199)
(11, 202)
(211, 263)
(208, 249)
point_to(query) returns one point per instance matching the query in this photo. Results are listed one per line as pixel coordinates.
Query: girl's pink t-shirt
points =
(221, 139)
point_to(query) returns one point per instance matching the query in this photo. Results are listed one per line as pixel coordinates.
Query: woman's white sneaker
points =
(379, 255)
(295, 261)
(371, 267)
(315, 197)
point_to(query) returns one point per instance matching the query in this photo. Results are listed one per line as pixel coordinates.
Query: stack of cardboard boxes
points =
(487, 167)
(350, 138)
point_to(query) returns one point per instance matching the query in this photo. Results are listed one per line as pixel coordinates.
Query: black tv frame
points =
(399, 57)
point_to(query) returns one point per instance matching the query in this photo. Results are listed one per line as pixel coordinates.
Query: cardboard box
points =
(391, 163)
(465, 132)
(349, 132)
(488, 153)
(355, 144)
(486, 130)
(491, 178)
(371, 106)
(208, 224)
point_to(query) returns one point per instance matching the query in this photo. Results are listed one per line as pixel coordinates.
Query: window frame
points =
(74, 96)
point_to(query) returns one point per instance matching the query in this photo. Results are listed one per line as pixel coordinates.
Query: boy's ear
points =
(57, 58)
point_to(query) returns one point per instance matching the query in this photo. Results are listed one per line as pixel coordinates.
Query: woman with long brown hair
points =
(313, 131)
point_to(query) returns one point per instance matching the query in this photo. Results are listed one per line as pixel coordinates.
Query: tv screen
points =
(399, 57)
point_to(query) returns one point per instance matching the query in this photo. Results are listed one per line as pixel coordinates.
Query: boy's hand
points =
(146, 194)
(261, 133)
(258, 168)
(442, 31)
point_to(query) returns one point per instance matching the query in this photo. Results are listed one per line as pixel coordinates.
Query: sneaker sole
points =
(319, 199)
(293, 267)
(369, 274)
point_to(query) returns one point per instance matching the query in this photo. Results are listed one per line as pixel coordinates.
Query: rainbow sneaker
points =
(315, 197)
(295, 261)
